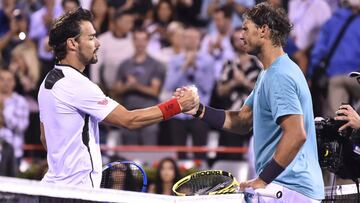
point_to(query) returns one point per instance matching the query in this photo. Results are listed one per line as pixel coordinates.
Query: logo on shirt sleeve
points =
(103, 102)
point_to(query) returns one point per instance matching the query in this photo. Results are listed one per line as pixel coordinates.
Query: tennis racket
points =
(209, 182)
(215, 182)
(124, 175)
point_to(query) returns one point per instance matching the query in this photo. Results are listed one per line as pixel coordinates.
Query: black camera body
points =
(338, 151)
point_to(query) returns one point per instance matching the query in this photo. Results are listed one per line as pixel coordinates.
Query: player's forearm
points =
(237, 122)
(143, 117)
(139, 118)
(288, 147)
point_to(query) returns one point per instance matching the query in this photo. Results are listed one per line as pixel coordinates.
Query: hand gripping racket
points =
(215, 182)
(124, 175)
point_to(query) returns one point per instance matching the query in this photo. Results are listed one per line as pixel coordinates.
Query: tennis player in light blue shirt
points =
(282, 90)
(278, 111)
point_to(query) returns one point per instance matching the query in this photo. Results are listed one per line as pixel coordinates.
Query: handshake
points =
(188, 99)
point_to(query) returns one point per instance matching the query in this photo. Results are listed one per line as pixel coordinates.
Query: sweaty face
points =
(88, 44)
(251, 37)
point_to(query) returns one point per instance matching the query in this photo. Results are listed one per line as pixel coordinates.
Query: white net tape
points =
(35, 188)
(23, 190)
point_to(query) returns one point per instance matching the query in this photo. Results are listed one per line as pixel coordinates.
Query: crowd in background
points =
(151, 47)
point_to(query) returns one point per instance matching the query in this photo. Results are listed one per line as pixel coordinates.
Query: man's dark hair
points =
(227, 10)
(141, 30)
(66, 26)
(275, 18)
(120, 13)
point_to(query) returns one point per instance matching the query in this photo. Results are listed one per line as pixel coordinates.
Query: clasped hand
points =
(188, 99)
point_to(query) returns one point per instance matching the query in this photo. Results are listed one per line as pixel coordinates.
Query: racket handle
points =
(273, 193)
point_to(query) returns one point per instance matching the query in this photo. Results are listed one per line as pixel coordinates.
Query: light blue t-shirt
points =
(282, 90)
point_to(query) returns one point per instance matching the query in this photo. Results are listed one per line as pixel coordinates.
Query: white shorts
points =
(288, 196)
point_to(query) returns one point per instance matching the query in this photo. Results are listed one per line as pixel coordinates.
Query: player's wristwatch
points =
(199, 111)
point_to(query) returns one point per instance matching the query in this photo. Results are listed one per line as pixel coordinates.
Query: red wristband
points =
(170, 108)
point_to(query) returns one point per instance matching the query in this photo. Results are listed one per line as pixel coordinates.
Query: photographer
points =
(347, 113)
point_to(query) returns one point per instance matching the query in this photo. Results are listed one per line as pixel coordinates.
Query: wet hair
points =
(275, 18)
(65, 27)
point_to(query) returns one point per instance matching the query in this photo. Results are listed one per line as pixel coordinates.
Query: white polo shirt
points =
(64, 102)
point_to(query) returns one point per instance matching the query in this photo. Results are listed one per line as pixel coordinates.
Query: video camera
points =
(339, 152)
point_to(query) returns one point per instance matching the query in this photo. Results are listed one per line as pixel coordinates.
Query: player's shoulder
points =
(67, 77)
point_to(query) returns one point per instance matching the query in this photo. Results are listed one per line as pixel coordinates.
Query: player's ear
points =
(264, 30)
(71, 43)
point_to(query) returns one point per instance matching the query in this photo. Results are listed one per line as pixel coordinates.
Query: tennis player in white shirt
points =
(71, 106)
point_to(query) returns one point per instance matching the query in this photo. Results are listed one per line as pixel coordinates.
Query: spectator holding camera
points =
(343, 59)
(347, 113)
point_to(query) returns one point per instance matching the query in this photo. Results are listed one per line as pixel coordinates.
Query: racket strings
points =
(122, 176)
(204, 184)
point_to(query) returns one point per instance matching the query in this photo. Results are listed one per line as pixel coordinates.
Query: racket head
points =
(124, 175)
(208, 182)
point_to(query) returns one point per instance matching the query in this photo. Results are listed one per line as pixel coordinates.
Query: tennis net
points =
(15, 190)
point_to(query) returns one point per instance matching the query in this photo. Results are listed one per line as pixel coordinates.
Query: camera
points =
(338, 151)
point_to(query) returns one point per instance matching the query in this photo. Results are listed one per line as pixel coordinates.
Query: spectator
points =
(141, 9)
(188, 12)
(138, 84)
(237, 79)
(174, 33)
(70, 5)
(307, 23)
(191, 67)
(345, 58)
(163, 16)
(167, 174)
(218, 44)
(7, 157)
(237, 8)
(111, 54)
(40, 21)
(25, 65)
(6, 13)
(15, 112)
(99, 9)
(17, 34)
